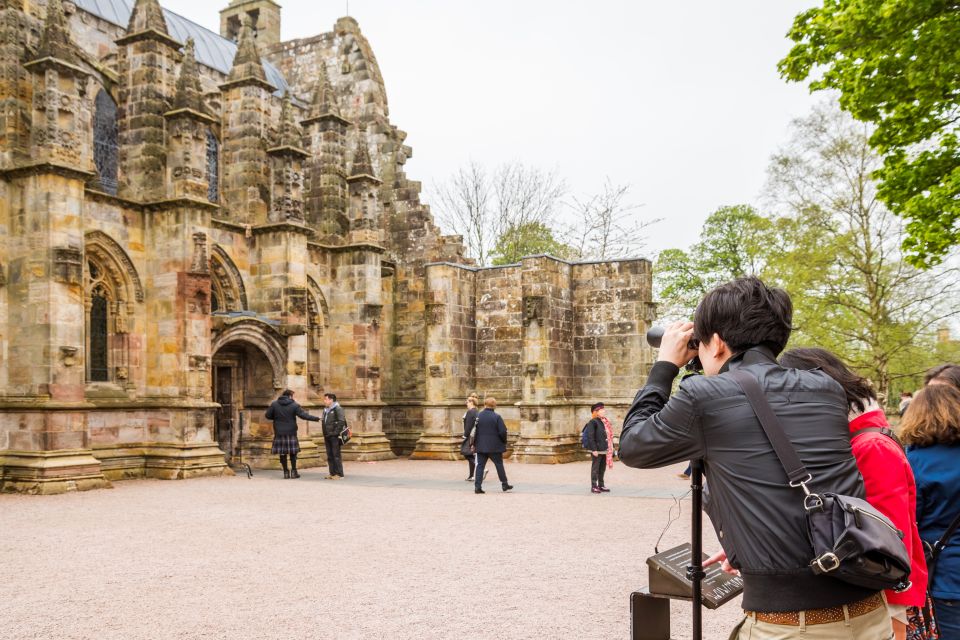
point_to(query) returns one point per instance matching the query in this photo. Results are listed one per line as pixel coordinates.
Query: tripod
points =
(695, 570)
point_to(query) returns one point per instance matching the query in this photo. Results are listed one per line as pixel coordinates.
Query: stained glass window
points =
(98, 337)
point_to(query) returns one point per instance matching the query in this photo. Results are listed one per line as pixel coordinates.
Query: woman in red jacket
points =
(887, 476)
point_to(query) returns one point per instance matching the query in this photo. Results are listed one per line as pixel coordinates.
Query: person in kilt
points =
(284, 413)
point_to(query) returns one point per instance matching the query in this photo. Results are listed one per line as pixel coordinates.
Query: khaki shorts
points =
(874, 625)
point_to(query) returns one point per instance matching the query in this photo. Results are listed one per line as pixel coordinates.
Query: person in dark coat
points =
(284, 413)
(334, 420)
(491, 444)
(599, 446)
(469, 420)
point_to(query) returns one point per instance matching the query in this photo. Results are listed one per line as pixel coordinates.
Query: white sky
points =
(680, 99)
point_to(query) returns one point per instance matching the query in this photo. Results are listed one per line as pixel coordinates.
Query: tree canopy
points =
(896, 65)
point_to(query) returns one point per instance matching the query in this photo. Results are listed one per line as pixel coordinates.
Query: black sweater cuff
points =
(662, 375)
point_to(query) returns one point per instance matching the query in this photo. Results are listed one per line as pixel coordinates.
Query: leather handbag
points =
(345, 435)
(851, 540)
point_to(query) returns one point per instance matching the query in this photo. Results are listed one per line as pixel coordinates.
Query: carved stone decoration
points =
(98, 241)
(298, 367)
(315, 380)
(69, 356)
(122, 373)
(436, 371)
(436, 312)
(534, 370)
(372, 313)
(199, 263)
(199, 363)
(120, 318)
(532, 309)
(68, 265)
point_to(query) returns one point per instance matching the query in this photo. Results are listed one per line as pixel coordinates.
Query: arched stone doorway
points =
(243, 383)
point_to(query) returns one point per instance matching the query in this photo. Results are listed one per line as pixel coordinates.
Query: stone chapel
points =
(192, 221)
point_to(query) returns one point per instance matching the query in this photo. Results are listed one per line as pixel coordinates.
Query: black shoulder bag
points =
(851, 540)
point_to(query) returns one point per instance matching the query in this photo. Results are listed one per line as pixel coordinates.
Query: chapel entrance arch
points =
(248, 369)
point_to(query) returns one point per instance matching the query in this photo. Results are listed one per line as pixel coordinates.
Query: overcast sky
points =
(679, 99)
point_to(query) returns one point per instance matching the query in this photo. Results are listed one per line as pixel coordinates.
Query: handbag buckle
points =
(830, 559)
(812, 501)
(802, 484)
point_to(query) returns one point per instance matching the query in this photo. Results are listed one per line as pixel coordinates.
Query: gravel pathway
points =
(400, 549)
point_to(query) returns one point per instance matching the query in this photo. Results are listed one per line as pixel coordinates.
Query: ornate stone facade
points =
(190, 222)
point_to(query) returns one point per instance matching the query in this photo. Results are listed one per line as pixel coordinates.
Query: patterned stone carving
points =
(436, 313)
(532, 309)
(101, 243)
(68, 265)
(199, 264)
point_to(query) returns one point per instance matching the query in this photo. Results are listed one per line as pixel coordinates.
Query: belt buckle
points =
(828, 558)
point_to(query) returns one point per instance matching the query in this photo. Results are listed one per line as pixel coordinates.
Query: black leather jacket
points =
(758, 517)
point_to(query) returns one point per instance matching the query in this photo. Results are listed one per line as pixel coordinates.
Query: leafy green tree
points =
(732, 243)
(895, 64)
(527, 239)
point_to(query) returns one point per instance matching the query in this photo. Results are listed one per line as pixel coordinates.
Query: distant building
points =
(191, 222)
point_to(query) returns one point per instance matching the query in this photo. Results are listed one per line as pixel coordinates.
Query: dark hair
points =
(945, 373)
(287, 392)
(745, 313)
(856, 388)
(332, 396)
(932, 417)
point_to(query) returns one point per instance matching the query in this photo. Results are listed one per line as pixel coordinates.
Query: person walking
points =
(491, 444)
(887, 476)
(600, 445)
(469, 422)
(334, 420)
(284, 413)
(931, 429)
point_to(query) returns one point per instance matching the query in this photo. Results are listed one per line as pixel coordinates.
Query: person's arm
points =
(341, 417)
(303, 415)
(659, 429)
(269, 414)
(885, 480)
(501, 428)
(593, 442)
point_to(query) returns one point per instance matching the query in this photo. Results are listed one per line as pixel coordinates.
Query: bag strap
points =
(796, 472)
(945, 538)
(884, 430)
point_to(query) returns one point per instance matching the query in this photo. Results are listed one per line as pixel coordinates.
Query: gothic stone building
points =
(190, 222)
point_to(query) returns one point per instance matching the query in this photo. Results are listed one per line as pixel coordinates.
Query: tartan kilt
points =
(285, 444)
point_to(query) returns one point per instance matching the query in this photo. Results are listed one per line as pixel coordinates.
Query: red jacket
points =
(890, 487)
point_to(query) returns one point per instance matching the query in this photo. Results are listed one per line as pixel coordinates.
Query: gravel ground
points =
(400, 549)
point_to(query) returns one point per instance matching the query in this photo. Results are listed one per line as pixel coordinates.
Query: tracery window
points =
(213, 167)
(105, 142)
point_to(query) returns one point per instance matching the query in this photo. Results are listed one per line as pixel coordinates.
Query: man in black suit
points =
(491, 444)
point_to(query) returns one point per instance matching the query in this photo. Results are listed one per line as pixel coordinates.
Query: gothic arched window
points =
(213, 167)
(99, 335)
(105, 144)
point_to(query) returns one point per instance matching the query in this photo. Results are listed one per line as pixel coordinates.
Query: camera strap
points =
(796, 472)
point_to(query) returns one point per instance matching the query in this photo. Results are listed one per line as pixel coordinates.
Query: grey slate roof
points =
(213, 50)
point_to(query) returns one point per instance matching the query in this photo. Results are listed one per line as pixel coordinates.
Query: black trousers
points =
(482, 462)
(597, 469)
(472, 461)
(334, 462)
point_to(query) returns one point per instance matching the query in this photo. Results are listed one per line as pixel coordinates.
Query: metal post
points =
(695, 571)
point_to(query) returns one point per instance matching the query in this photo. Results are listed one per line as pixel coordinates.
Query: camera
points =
(655, 336)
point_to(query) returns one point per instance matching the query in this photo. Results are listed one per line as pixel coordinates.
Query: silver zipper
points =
(877, 518)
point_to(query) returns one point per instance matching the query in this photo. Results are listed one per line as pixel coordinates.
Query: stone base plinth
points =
(182, 461)
(50, 472)
(368, 447)
(547, 449)
(256, 453)
(438, 446)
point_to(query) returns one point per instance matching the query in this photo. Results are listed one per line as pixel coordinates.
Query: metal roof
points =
(213, 50)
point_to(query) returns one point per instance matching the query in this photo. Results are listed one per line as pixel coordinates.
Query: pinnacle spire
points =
(55, 41)
(290, 133)
(247, 63)
(189, 91)
(362, 166)
(147, 16)
(324, 100)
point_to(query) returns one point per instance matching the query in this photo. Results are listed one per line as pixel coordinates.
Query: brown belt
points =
(820, 616)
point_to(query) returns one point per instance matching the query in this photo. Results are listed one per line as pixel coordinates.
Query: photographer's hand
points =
(675, 345)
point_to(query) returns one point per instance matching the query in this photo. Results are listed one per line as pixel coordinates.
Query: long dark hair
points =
(857, 388)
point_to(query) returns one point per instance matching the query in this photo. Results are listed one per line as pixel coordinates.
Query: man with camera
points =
(758, 516)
